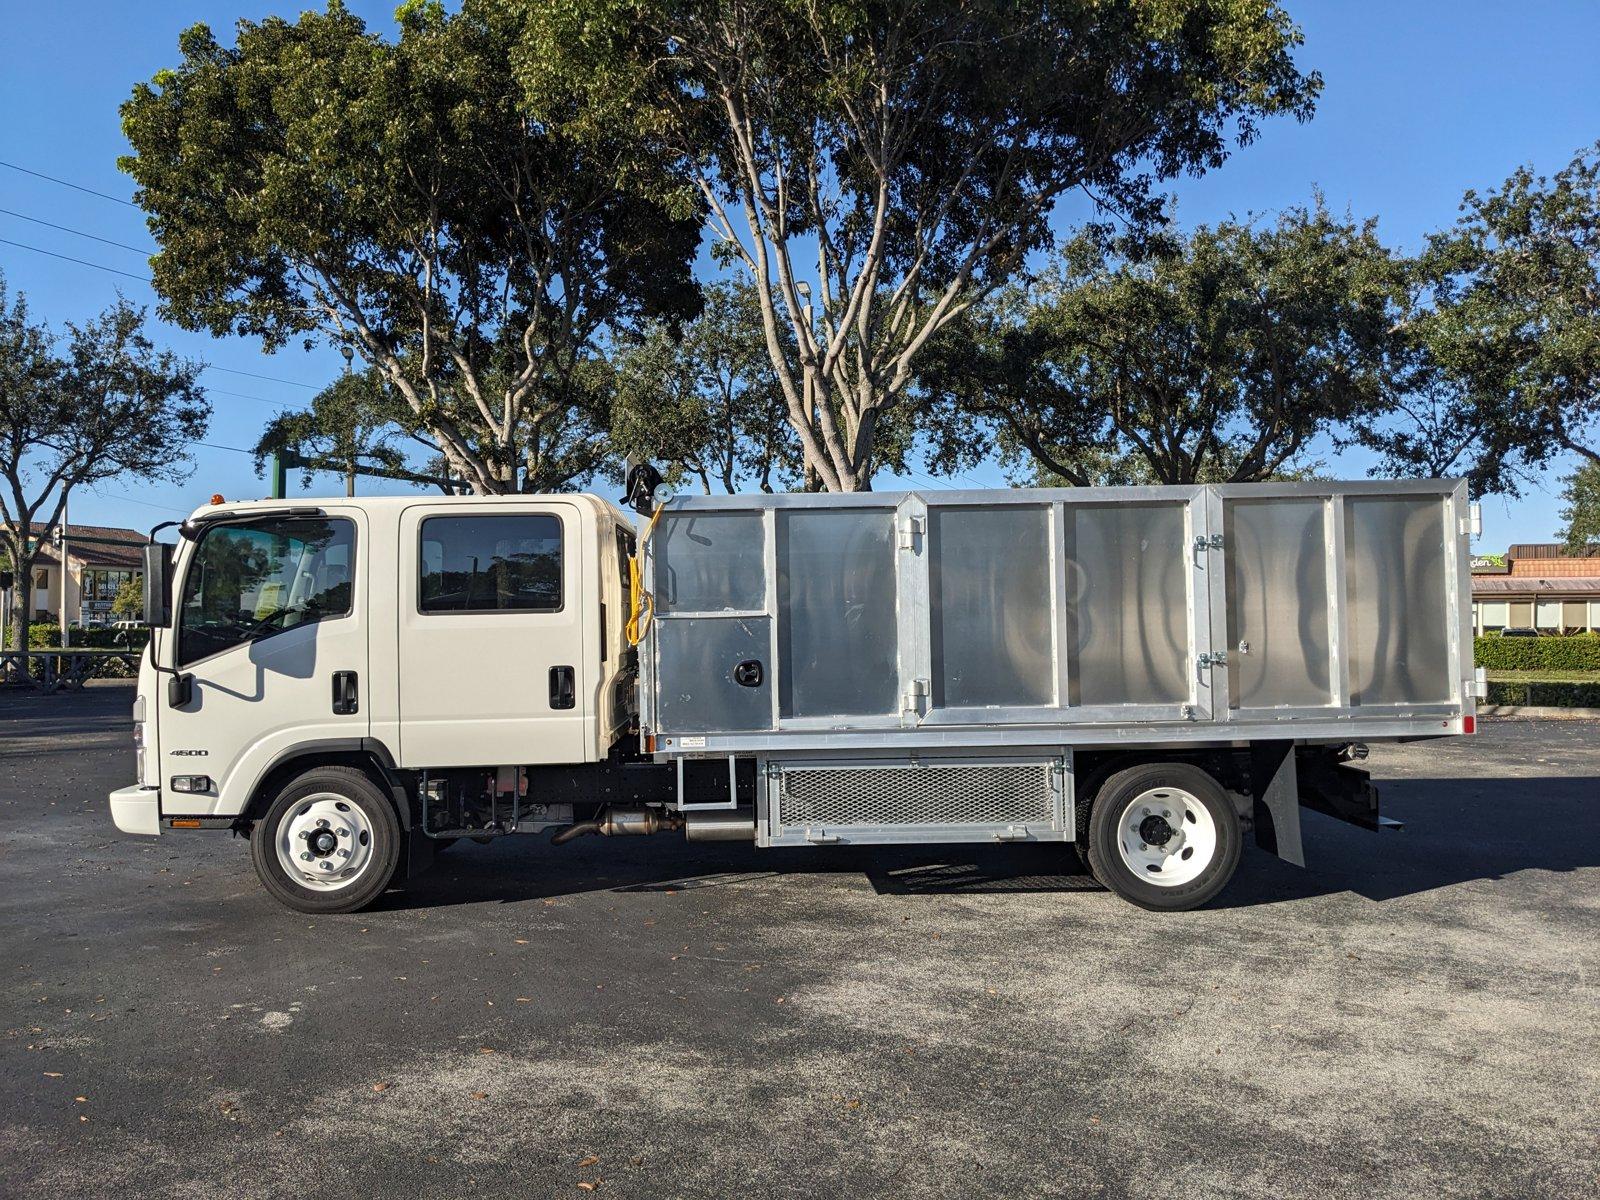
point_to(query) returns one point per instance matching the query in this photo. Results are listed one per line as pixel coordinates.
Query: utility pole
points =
(66, 574)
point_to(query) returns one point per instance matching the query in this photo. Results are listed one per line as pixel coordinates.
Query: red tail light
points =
(1469, 724)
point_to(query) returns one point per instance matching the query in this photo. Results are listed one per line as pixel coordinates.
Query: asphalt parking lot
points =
(1415, 1014)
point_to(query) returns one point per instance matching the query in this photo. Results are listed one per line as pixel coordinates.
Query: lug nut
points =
(344, 853)
(302, 835)
(344, 833)
(306, 854)
(326, 865)
(322, 823)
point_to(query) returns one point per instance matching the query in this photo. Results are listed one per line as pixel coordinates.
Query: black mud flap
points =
(1276, 795)
(419, 854)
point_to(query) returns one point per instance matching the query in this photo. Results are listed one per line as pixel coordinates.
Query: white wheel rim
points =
(324, 842)
(1166, 837)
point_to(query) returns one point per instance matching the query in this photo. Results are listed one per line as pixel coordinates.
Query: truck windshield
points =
(250, 580)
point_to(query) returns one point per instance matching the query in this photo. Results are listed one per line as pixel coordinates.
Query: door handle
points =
(346, 699)
(563, 688)
(748, 673)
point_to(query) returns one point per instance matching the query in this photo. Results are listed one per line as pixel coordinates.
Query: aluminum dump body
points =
(1024, 618)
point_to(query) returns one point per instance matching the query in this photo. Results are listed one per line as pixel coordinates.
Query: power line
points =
(211, 391)
(235, 449)
(269, 378)
(82, 262)
(144, 503)
(77, 187)
(80, 233)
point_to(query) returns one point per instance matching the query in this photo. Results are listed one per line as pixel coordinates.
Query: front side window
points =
(492, 563)
(254, 579)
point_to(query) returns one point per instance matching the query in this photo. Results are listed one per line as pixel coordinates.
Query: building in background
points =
(1537, 585)
(95, 570)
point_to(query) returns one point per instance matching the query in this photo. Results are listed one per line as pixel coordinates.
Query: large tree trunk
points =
(21, 595)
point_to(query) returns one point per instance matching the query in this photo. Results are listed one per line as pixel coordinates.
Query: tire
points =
(336, 822)
(1164, 836)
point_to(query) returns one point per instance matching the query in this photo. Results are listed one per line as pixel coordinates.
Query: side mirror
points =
(157, 585)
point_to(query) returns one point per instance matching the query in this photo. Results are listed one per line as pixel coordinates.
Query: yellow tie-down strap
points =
(641, 608)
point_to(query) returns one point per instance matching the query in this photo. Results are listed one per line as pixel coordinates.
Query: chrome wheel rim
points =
(1166, 837)
(325, 842)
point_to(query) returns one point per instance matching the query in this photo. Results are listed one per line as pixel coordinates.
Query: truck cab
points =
(328, 667)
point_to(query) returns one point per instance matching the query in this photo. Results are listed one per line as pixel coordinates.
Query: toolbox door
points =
(713, 661)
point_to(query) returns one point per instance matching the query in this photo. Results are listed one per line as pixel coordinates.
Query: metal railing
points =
(56, 670)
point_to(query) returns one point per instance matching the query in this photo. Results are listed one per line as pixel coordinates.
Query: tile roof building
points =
(95, 570)
(1537, 585)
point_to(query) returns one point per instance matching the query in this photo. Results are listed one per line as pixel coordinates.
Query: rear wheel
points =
(1164, 836)
(329, 843)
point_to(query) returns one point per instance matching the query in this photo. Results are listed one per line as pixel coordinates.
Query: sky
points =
(1422, 100)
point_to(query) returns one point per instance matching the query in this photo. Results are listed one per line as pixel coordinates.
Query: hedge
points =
(44, 635)
(1577, 652)
(1545, 694)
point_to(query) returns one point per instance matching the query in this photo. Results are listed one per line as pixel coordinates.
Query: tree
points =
(315, 181)
(129, 600)
(704, 402)
(1582, 513)
(1219, 355)
(1510, 328)
(110, 407)
(904, 158)
(352, 423)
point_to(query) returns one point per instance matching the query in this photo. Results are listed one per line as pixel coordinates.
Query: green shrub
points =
(1580, 652)
(1545, 694)
(46, 635)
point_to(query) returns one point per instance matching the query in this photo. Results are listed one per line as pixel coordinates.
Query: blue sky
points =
(1422, 100)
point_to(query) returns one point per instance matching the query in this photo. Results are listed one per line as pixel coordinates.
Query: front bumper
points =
(137, 809)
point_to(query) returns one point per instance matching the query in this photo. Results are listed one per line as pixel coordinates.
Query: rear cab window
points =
(491, 562)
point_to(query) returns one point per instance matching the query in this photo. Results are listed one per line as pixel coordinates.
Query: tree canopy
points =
(98, 405)
(877, 168)
(1582, 512)
(703, 401)
(316, 181)
(1510, 331)
(1213, 356)
(354, 423)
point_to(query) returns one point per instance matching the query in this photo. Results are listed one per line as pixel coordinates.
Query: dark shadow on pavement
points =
(1458, 831)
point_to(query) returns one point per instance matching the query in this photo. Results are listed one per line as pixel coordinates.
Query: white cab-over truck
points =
(1145, 674)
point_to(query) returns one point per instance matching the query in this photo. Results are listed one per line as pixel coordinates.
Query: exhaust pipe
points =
(734, 825)
(616, 820)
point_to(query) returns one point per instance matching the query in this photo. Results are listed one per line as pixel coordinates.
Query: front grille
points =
(917, 794)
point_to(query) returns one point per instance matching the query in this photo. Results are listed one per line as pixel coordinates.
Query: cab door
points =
(491, 624)
(270, 650)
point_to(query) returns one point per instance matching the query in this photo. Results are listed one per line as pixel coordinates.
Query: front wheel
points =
(329, 843)
(1164, 836)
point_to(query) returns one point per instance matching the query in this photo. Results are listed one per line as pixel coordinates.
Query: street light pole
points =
(66, 575)
(349, 353)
